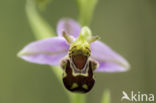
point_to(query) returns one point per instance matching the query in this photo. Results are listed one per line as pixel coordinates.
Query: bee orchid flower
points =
(77, 52)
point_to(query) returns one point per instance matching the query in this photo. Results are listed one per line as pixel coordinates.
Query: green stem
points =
(86, 9)
(78, 98)
(40, 27)
(106, 97)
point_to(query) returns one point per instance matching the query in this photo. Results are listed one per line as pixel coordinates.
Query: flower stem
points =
(86, 9)
(40, 27)
(78, 98)
(106, 97)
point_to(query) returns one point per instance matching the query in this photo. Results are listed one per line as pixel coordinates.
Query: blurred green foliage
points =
(42, 3)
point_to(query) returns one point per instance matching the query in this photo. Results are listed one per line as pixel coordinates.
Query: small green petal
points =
(85, 33)
(82, 43)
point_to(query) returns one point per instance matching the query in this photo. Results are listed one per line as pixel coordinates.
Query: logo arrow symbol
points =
(125, 96)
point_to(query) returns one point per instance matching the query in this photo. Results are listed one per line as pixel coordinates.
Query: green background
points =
(128, 26)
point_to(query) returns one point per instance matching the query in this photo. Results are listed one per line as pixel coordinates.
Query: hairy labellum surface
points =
(79, 61)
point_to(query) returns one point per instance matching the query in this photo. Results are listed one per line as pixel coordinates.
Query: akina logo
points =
(137, 97)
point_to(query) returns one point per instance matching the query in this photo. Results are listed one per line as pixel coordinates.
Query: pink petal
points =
(69, 26)
(47, 51)
(109, 60)
(110, 67)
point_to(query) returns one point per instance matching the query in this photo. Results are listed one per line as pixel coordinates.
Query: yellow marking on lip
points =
(74, 85)
(85, 86)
